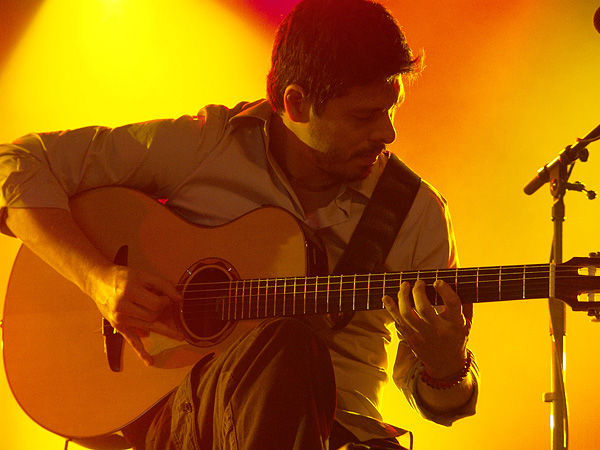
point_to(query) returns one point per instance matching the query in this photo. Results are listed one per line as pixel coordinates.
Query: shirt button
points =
(187, 407)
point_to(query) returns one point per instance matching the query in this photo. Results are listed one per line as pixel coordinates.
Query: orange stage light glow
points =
(507, 85)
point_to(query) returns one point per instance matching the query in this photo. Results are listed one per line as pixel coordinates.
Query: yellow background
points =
(508, 84)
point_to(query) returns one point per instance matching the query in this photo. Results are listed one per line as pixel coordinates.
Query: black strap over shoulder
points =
(380, 223)
(381, 220)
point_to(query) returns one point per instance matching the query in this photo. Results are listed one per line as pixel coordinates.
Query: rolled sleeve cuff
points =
(447, 419)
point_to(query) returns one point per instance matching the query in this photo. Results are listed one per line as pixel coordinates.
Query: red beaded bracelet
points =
(448, 382)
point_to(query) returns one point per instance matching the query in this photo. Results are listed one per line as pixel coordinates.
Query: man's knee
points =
(295, 336)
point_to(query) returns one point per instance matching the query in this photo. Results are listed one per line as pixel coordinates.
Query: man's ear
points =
(295, 103)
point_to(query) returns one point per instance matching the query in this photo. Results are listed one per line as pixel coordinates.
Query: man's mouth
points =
(369, 156)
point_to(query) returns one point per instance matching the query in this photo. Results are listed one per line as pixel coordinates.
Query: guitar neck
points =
(271, 297)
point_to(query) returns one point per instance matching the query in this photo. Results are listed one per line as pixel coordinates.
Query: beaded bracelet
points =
(449, 382)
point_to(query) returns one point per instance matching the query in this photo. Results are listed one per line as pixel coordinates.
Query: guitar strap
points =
(380, 223)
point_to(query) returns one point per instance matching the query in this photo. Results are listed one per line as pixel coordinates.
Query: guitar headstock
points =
(577, 283)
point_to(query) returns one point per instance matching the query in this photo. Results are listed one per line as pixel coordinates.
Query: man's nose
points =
(384, 131)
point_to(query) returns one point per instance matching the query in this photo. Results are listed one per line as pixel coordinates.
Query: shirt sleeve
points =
(45, 169)
(435, 249)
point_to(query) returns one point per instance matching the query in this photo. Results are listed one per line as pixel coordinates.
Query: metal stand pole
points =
(557, 397)
(557, 174)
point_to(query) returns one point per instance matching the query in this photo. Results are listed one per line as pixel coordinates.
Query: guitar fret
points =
(236, 301)
(552, 271)
(275, 296)
(285, 297)
(250, 295)
(247, 301)
(223, 302)
(244, 296)
(477, 286)
(456, 280)
(239, 312)
(524, 278)
(229, 308)
(226, 315)
(437, 272)
(305, 292)
(266, 297)
(368, 291)
(256, 285)
(328, 281)
(500, 283)
(235, 308)
(418, 278)
(294, 297)
(341, 290)
(261, 298)
(284, 303)
(354, 294)
(316, 291)
(275, 281)
(246, 308)
(278, 280)
(272, 302)
(250, 300)
(258, 300)
(280, 293)
(282, 289)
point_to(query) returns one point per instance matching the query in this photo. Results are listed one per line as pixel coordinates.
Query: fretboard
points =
(272, 297)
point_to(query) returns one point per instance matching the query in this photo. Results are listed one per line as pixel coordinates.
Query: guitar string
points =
(323, 282)
(239, 314)
(268, 303)
(259, 293)
(209, 304)
(408, 276)
(260, 310)
(251, 292)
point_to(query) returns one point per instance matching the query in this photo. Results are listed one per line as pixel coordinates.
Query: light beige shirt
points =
(213, 168)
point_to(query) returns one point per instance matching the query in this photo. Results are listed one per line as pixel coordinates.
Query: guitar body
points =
(74, 377)
(54, 352)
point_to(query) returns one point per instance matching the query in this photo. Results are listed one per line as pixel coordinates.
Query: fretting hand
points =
(438, 338)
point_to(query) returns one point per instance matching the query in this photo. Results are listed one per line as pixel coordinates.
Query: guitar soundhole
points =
(205, 288)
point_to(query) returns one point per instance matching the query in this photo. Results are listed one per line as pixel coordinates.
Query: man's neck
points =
(313, 187)
(295, 158)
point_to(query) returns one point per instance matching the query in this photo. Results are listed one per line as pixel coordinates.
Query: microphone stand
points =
(558, 396)
(557, 174)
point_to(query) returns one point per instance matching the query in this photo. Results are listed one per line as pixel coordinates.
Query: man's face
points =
(346, 139)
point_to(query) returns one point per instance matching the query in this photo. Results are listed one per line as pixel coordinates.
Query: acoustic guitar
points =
(73, 375)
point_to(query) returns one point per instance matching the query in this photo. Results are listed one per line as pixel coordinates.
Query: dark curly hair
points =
(329, 46)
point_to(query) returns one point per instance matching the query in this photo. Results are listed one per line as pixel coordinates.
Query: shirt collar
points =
(260, 109)
(263, 111)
